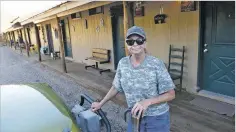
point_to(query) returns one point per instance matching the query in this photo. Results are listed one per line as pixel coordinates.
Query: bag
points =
(87, 120)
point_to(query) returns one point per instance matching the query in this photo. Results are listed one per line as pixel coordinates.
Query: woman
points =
(146, 84)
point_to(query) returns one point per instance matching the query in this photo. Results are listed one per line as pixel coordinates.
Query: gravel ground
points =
(17, 69)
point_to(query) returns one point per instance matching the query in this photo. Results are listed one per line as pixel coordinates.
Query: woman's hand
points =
(140, 107)
(95, 106)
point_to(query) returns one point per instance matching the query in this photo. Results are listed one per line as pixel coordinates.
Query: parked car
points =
(34, 108)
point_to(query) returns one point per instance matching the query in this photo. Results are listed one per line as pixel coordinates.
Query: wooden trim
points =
(38, 41)
(126, 23)
(128, 20)
(84, 7)
(200, 38)
(61, 45)
(45, 19)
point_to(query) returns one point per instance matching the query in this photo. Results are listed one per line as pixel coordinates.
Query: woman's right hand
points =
(95, 106)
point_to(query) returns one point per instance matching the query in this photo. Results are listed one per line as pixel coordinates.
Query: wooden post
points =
(61, 45)
(15, 39)
(8, 38)
(38, 41)
(128, 20)
(9, 33)
(4, 38)
(26, 42)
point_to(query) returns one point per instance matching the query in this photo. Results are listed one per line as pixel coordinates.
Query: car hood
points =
(33, 108)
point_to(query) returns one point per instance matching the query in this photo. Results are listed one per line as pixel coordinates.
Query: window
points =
(76, 15)
(96, 10)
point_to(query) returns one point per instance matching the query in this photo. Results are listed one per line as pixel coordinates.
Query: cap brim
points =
(135, 33)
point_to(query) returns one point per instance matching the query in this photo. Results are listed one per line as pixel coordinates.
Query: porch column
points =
(26, 42)
(9, 38)
(3, 37)
(9, 33)
(15, 39)
(128, 20)
(37, 41)
(61, 45)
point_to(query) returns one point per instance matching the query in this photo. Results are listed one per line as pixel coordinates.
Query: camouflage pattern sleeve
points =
(165, 83)
(116, 82)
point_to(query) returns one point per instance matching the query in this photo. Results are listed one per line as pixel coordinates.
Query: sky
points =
(24, 9)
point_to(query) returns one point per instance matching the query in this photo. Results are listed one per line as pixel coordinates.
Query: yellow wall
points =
(83, 40)
(180, 29)
(16, 35)
(43, 35)
(33, 36)
(55, 40)
(23, 35)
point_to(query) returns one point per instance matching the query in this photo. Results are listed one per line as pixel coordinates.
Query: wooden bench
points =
(100, 56)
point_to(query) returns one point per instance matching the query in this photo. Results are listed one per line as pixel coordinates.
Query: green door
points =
(66, 37)
(219, 47)
(49, 37)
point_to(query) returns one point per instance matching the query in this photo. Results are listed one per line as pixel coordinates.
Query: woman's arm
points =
(165, 97)
(144, 104)
(111, 93)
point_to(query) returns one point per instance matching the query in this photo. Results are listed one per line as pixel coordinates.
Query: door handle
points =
(205, 50)
(205, 45)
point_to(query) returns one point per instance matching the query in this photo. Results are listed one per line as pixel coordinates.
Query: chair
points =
(176, 64)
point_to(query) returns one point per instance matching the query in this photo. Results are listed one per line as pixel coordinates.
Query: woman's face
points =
(136, 44)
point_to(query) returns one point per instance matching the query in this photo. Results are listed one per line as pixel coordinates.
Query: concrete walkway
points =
(185, 117)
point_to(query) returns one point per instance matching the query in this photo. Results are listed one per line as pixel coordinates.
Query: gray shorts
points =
(159, 123)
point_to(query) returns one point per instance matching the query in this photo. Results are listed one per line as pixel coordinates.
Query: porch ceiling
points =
(69, 8)
(13, 29)
(52, 13)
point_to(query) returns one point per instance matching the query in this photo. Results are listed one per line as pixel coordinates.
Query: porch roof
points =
(31, 19)
(62, 9)
(51, 13)
(13, 29)
(69, 8)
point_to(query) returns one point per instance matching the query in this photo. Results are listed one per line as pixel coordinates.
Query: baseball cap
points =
(136, 30)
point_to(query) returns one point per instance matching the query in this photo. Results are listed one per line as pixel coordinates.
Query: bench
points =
(100, 56)
(56, 54)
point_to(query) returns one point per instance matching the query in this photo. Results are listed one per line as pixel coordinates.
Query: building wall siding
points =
(44, 39)
(33, 36)
(96, 36)
(23, 35)
(16, 35)
(180, 29)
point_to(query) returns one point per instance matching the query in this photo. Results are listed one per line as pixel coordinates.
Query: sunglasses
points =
(130, 42)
